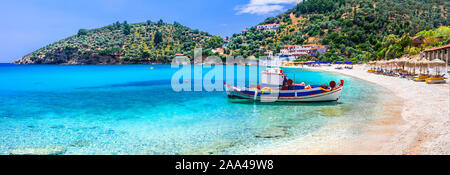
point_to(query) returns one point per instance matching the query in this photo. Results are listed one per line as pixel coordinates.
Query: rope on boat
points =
(326, 90)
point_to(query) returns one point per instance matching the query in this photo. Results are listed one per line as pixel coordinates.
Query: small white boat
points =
(276, 86)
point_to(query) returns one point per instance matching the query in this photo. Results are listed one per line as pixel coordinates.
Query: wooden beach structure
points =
(417, 41)
(442, 53)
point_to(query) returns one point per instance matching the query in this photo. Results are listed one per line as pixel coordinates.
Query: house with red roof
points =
(311, 50)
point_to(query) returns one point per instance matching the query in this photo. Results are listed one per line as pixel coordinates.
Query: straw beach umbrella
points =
(372, 64)
(383, 62)
(391, 64)
(387, 64)
(369, 64)
(413, 63)
(380, 64)
(424, 65)
(438, 64)
(402, 62)
(395, 63)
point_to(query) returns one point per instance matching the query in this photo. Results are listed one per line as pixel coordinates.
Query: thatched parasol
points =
(437, 64)
(424, 65)
(371, 64)
(395, 62)
(391, 64)
(381, 63)
(402, 62)
(413, 63)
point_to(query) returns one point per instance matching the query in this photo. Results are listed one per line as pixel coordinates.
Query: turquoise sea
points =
(132, 109)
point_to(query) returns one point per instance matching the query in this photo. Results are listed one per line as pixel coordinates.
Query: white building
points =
(311, 50)
(268, 27)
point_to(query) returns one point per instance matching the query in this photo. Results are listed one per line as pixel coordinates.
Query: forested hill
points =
(123, 43)
(351, 29)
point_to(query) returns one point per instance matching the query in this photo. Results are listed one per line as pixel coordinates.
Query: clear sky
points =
(27, 25)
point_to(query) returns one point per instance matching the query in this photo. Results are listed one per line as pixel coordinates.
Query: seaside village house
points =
(295, 51)
(221, 49)
(269, 53)
(268, 27)
(417, 41)
(226, 42)
(290, 53)
(243, 32)
(271, 60)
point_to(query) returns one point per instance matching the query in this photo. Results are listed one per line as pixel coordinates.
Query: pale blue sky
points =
(28, 25)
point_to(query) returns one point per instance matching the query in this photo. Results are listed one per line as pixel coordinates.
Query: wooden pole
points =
(448, 58)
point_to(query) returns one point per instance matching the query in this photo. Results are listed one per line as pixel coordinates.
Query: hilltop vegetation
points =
(123, 43)
(394, 46)
(352, 29)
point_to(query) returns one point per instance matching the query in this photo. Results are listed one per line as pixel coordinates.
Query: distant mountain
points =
(351, 29)
(123, 43)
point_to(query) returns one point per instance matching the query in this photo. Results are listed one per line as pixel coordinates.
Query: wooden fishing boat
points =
(276, 86)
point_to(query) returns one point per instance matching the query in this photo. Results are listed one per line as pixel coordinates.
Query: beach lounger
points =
(435, 80)
(421, 78)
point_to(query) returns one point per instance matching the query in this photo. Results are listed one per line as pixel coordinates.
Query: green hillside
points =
(123, 43)
(351, 29)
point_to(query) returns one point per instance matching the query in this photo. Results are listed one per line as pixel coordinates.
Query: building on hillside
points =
(274, 60)
(269, 53)
(226, 42)
(243, 32)
(417, 41)
(219, 50)
(311, 50)
(316, 51)
(268, 27)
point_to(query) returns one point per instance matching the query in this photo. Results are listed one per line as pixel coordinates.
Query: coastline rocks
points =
(57, 127)
(335, 111)
(81, 143)
(214, 148)
(70, 57)
(272, 133)
(54, 150)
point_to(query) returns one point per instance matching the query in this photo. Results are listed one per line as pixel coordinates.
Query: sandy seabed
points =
(416, 121)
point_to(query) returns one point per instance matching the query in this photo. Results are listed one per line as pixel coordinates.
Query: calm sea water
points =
(132, 109)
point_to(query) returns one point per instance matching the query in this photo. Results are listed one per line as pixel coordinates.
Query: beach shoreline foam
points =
(415, 121)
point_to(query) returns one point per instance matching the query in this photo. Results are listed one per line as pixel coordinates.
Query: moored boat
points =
(276, 86)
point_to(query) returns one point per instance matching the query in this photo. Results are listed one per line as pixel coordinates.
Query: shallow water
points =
(132, 109)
